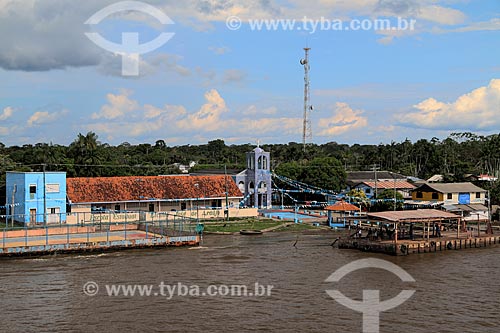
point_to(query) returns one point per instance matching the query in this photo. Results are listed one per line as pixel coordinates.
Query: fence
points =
(159, 229)
(104, 220)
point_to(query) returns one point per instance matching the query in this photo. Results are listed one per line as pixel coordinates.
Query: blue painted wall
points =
(24, 201)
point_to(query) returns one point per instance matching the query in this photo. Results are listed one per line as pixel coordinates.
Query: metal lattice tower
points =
(307, 129)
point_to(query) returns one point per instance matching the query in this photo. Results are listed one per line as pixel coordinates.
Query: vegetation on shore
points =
(255, 224)
(297, 227)
(322, 165)
(236, 226)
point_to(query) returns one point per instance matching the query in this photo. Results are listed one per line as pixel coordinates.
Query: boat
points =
(251, 232)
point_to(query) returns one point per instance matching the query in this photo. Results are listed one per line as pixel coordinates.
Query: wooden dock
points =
(407, 247)
(409, 232)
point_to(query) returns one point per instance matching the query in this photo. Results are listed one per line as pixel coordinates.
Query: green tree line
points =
(323, 165)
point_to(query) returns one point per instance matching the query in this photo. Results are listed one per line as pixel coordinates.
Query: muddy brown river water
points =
(455, 291)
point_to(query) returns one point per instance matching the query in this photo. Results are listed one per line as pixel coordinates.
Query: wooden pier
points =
(407, 247)
(410, 233)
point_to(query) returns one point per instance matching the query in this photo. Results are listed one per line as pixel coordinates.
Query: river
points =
(456, 291)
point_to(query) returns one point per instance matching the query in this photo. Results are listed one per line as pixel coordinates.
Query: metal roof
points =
(361, 176)
(420, 215)
(452, 188)
(466, 208)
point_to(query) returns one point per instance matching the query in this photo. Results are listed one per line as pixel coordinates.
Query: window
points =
(151, 207)
(32, 191)
(435, 196)
(52, 188)
(450, 196)
(478, 195)
(420, 195)
(183, 206)
(368, 191)
(117, 207)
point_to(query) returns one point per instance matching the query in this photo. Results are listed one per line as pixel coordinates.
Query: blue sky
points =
(210, 82)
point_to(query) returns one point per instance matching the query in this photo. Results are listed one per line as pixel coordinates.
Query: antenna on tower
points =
(306, 130)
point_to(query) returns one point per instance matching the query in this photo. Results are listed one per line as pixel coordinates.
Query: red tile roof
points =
(390, 185)
(120, 189)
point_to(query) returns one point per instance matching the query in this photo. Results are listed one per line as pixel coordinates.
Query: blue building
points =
(29, 201)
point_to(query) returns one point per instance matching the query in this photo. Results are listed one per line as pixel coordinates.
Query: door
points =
(464, 198)
(33, 216)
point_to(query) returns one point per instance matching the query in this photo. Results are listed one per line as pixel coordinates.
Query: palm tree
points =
(86, 154)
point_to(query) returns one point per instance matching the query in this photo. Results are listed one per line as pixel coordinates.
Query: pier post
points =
(25, 235)
(107, 235)
(67, 234)
(3, 238)
(46, 235)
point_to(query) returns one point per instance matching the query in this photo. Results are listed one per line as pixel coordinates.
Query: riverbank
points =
(261, 224)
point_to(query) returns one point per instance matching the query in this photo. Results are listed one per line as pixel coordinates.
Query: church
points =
(256, 181)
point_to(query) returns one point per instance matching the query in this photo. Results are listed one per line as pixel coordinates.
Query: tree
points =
(385, 201)
(86, 155)
(325, 172)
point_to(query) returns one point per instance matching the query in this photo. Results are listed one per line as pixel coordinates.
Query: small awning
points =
(342, 206)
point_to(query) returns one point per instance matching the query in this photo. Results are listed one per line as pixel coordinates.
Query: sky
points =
(218, 76)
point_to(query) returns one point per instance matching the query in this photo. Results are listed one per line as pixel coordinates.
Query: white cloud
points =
(477, 110)
(6, 113)
(208, 117)
(441, 15)
(118, 106)
(44, 117)
(344, 119)
(178, 123)
(151, 112)
(254, 111)
(491, 25)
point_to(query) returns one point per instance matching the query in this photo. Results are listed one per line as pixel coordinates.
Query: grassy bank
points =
(297, 227)
(235, 226)
(255, 224)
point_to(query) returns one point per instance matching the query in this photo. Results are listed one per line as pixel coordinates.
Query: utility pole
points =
(14, 190)
(489, 206)
(375, 169)
(395, 192)
(226, 211)
(44, 197)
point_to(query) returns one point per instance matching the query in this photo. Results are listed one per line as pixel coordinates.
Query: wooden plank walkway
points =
(407, 247)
